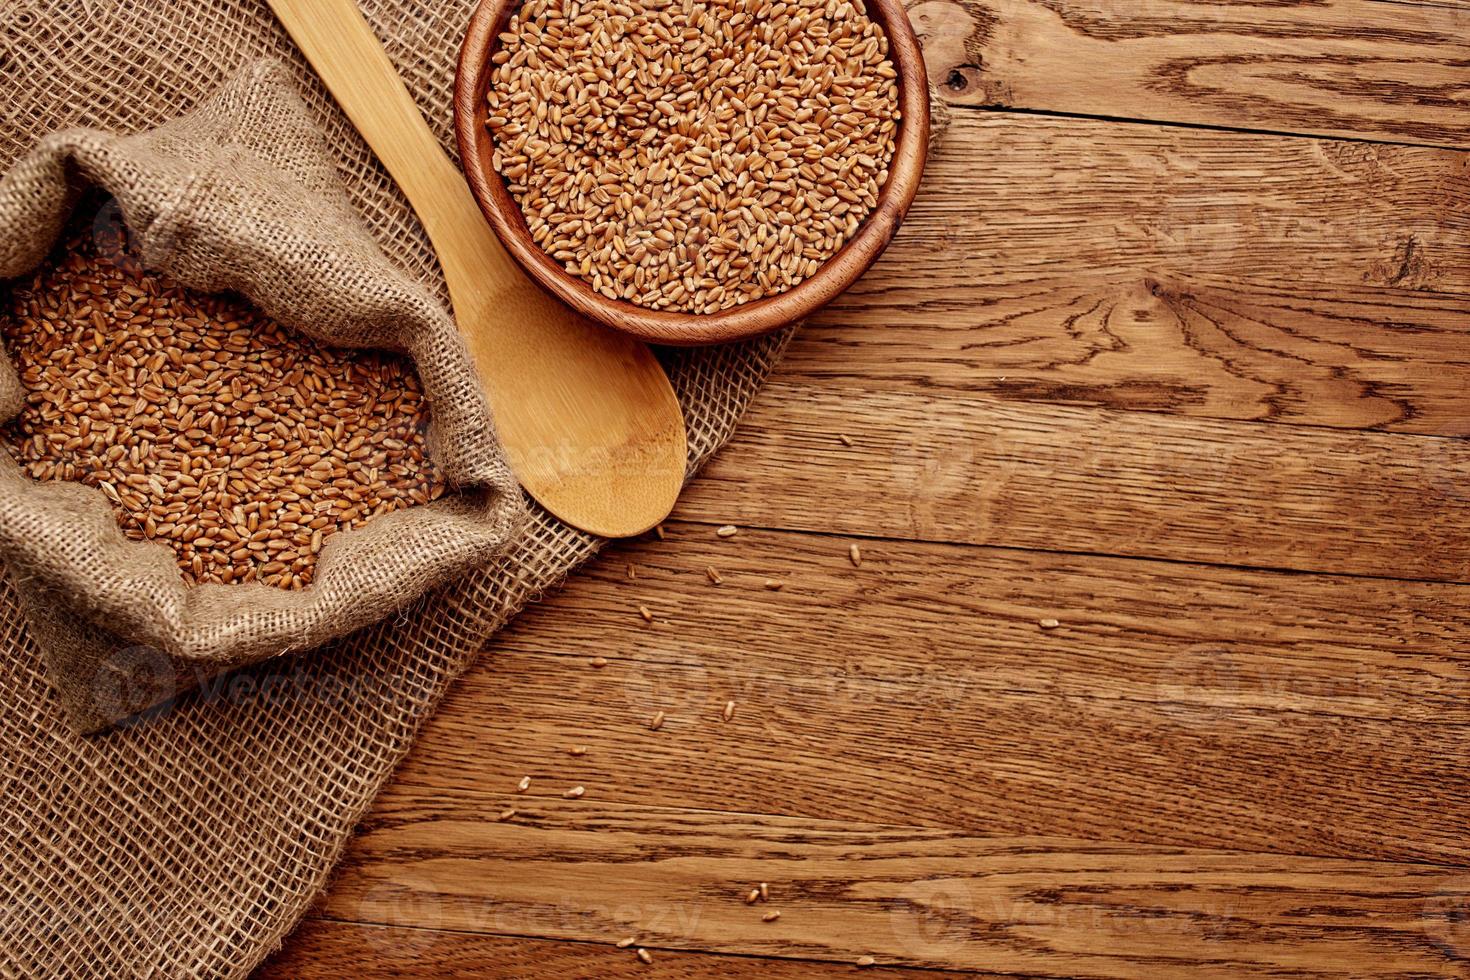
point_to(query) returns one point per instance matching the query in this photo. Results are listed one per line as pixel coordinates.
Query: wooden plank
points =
(329, 950)
(1216, 275)
(1011, 198)
(1043, 907)
(959, 624)
(866, 743)
(948, 468)
(1198, 345)
(1353, 68)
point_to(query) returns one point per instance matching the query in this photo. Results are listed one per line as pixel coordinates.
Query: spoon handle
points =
(587, 417)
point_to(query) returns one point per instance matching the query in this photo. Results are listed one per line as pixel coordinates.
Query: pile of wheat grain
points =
(693, 155)
(239, 444)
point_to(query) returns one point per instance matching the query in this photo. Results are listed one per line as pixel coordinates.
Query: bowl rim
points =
(750, 319)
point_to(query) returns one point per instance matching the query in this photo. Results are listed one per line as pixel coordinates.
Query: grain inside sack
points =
(693, 155)
(240, 444)
(253, 522)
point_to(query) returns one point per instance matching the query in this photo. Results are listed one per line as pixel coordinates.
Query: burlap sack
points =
(190, 844)
(237, 195)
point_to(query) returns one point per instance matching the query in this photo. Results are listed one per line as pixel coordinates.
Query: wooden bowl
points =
(662, 326)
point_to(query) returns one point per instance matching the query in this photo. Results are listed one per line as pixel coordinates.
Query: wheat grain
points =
(693, 156)
(210, 428)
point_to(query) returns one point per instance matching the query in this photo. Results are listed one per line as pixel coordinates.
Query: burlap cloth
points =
(239, 194)
(190, 843)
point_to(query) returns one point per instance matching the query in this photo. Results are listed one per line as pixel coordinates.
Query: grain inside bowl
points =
(211, 429)
(692, 156)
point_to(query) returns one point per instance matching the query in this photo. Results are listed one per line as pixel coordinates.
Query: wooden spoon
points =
(587, 417)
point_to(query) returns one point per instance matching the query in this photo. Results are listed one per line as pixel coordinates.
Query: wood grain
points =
(959, 624)
(1182, 343)
(329, 950)
(1042, 907)
(1010, 197)
(854, 729)
(1356, 68)
(949, 468)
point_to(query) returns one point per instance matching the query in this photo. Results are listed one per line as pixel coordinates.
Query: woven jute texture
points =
(240, 195)
(189, 843)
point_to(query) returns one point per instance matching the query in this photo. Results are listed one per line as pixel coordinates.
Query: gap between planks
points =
(329, 949)
(1203, 127)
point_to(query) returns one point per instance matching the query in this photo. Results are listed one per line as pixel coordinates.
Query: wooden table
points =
(1174, 351)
